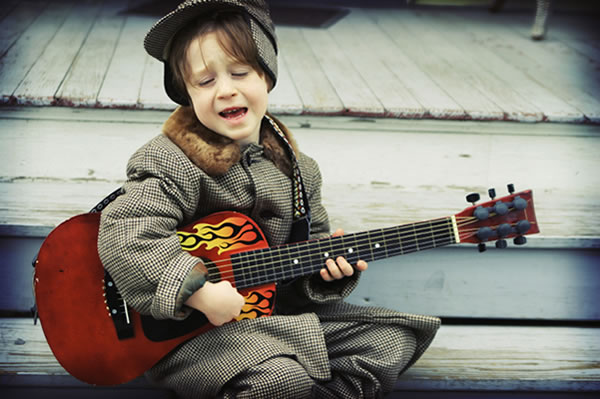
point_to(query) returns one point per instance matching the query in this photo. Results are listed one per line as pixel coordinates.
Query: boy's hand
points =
(340, 268)
(219, 302)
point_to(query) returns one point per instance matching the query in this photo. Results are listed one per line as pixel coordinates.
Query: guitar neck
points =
(285, 262)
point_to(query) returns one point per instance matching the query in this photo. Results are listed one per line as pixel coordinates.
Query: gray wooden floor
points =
(440, 63)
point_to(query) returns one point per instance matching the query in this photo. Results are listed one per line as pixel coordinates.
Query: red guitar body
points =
(69, 289)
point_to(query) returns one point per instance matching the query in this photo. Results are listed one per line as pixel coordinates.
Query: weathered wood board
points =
(460, 358)
(401, 62)
(376, 172)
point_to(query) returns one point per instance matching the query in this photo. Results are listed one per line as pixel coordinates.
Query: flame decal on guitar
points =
(233, 233)
(83, 325)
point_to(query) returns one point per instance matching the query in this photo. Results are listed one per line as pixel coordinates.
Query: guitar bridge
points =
(117, 309)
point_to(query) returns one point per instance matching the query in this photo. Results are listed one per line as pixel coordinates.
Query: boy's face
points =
(228, 97)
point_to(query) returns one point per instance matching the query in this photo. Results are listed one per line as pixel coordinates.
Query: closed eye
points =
(205, 82)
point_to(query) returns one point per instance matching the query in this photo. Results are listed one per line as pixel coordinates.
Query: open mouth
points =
(233, 113)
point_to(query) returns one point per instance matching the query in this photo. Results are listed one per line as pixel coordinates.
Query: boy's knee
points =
(278, 377)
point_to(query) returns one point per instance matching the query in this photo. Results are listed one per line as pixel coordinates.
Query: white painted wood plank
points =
(394, 171)
(83, 82)
(514, 283)
(510, 358)
(314, 88)
(579, 32)
(548, 51)
(284, 98)
(513, 106)
(43, 80)
(15, 64)
(568, 84)
(456, 81)
(355, 94)
(17, 21)
(121, 86)
(152, 92)
(553, 108)
(426, 91)
(370, 53)
(469, 357)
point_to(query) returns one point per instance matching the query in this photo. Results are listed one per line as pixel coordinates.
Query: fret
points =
(316, 260)
(407, 239)
(442, 232)
(264, 262)
(239, 264)
(423, 236)
(285, 272)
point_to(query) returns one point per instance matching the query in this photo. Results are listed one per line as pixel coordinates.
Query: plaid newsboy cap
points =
(256, 12)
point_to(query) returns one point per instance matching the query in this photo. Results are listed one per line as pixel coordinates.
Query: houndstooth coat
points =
(189, 172)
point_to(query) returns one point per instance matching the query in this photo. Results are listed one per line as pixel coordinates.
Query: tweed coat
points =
(189, 172)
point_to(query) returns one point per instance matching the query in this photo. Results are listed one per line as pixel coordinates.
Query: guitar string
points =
(365, 240)
(283, 274)
(334, 247)
(278, 258)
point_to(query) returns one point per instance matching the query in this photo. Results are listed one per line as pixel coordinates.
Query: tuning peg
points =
(511, 188)
(481, 247)
(473, 198)
(501, 208)
(481, 213)
(504, 230)
(520, 240)
(519, 203)
(501, 244)
(492, 193)
(523, 226)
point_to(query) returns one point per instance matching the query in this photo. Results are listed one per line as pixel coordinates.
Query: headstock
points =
(512, 216)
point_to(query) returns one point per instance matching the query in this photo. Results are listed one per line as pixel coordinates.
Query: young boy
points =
(220, 151)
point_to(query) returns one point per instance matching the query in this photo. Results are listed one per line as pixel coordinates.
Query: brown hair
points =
(233, 35)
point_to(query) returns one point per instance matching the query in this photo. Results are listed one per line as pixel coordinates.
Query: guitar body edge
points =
(69, 290)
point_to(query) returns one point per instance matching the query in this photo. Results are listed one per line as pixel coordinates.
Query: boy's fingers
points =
(334, 269)
(345, 267)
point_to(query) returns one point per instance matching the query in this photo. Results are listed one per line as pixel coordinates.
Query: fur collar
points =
(214, 153)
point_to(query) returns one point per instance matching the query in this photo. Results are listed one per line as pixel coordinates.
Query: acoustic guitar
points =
(100, 340)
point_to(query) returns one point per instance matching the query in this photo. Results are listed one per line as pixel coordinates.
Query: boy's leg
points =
(278, 377)
(366, 358)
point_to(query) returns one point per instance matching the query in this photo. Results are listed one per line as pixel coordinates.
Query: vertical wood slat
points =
(349, 85)
(314, 88)
(82, 84)
(455, 81)
(376, 58)
(121, 86)
(17, 21)
(554, 109)
(19, 59)
(514, 106)
(522, 53)
(43, 80)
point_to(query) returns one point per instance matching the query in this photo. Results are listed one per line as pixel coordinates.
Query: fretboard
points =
(254, 268)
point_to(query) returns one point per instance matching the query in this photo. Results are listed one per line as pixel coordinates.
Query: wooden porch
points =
(402, 62)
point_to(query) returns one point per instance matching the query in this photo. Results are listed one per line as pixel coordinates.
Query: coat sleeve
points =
(137, 241)
(313, 289)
